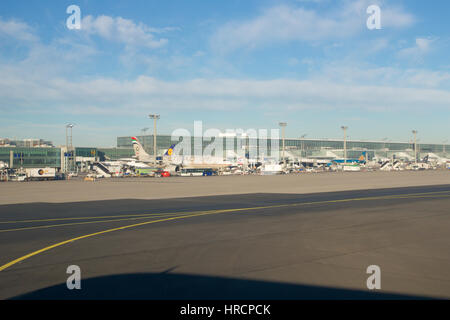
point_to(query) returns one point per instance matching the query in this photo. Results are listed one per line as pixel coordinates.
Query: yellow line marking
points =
(89, 218)
(9, 264)
(87, 236)
(162, 214)
(74, 223)
(145, 216)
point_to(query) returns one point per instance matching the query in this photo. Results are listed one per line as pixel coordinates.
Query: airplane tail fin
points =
(169, 151)
(363, 157)
(139, 150)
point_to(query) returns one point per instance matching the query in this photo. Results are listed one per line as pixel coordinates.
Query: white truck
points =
(41, 173)
(271, 169)
(351, 167)
(20, 177)
(3, 165)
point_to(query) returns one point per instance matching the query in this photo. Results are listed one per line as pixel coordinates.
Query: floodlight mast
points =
(283, 126)
(345, 143)
(415, 145)
(155, 117)
(67, 156)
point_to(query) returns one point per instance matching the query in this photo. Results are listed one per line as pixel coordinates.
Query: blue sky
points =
(231, 64)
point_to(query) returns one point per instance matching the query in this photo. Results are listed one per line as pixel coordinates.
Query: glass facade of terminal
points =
(163, 142)
(35, 157)
(31, 157)
(114, 153)
(299, 147)
(103, 154)
(38, 157)
(85, 152)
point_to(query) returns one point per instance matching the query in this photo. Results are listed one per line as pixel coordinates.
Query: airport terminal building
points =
(58, 157)
(301, 148)
(38, 154)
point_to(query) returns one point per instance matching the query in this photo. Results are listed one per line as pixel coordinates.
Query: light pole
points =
(68, 146)
(415, 145)
(283, 126)
(384, 142)
(303, 139)
(443, 147)
(245, 147)
(154, 117)
(143, 138)
(384, 145)
(345, 143)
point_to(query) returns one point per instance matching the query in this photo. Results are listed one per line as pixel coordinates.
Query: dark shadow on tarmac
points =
(165, 286)
(187, 204)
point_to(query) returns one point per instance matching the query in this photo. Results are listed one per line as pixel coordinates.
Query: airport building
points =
(19, 154)
(302, 148)
(27, 143)
(31, 157)
(59, 157)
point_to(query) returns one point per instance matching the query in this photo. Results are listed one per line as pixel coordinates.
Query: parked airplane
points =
(172, 163)
(362, 159)
(139, 151)
(434, 159)
(142, 155)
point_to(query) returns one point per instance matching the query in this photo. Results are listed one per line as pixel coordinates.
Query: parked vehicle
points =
(40, 173)
(20, 177)
(162, 173)
(192, 172)
(209, 172)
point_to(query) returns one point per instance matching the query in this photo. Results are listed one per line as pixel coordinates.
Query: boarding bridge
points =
(404, 156)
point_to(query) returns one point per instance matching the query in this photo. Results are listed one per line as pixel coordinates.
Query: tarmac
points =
(180, 187)
(284, 243)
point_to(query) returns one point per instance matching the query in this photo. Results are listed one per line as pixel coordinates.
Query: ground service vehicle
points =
(40, 173)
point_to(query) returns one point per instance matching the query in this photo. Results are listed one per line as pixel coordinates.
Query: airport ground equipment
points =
(40, 173)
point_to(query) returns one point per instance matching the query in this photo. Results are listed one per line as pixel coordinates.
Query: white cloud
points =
(426, 78)
(288, 23)
(421, 47)
(123, 31)
(108, 96)
(199, 53)
(292, 62)
(395, 17)
(356, 73)
(17, 30)
(278, 24)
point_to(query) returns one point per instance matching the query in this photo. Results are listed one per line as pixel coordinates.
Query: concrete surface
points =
(282, 246)
(176, 187)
